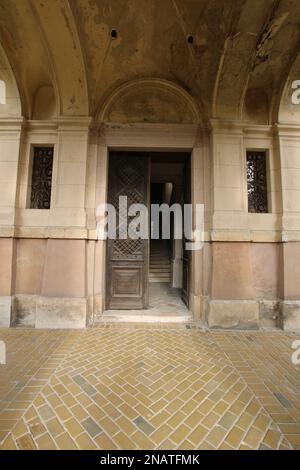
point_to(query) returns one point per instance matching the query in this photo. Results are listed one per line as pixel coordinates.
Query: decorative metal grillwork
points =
(129, 176)
(257, 182)
(41, 178)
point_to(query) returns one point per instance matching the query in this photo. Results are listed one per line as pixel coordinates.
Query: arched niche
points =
(10, 103)
(150, 101)
(44, 106)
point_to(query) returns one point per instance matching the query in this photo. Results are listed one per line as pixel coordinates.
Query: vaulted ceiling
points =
(243, 52)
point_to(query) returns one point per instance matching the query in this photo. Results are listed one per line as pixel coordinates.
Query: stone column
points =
(232, 303)
(289, 149)
(10, 145)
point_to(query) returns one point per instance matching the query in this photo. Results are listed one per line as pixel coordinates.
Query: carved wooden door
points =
(186, 259)
(127, 260)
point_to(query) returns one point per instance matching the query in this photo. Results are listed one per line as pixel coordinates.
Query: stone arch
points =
(286, 111)
(10, 103)
(238, 58)
(149, 101)
(273, 63)
(254, 62)
(68, 61)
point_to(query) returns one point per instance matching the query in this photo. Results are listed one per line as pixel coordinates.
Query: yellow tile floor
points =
(149, 387)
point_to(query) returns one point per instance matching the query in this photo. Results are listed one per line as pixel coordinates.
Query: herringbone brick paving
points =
(149, 387)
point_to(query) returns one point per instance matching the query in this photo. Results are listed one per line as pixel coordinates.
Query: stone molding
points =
(82, 233)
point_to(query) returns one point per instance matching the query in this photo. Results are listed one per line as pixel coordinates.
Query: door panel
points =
(127, 260)
(186, 259)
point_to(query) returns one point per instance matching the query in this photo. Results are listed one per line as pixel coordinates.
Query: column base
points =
(290, 315)
(24, 312)
(233, 314)
(6, 309)
(34, 311)
(61, 313)
(269, 313)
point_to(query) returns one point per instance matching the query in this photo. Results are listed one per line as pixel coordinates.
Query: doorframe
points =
(130, 263)
(151, 138)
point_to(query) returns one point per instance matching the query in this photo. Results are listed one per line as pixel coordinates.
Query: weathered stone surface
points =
(54, 312)
(269, 313)
(233, 314)
(290, 315)
(24, 310)
(6, 306)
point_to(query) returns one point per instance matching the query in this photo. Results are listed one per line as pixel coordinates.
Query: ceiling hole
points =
(114, 33)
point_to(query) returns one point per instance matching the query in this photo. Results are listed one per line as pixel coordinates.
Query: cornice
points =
(11, 123)
(60, 123)
(289, 129)
(223, 126)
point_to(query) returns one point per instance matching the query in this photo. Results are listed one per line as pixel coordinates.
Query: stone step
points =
(142, 317)
(159, 259)
(162, 275)
(160, 271)
(160, 266)
(157, 271)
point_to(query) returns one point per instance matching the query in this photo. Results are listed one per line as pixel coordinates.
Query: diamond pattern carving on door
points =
(127, 247)
(129, 173)
(127, 259)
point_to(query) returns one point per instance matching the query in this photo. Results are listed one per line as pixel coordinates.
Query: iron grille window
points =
(41, 178)
(257, 182)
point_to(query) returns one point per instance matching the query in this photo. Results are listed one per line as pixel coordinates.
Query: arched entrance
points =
(148, 151)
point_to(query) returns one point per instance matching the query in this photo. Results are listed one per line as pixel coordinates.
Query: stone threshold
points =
(141, 316)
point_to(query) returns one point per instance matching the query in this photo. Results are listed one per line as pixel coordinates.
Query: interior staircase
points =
(160, 263)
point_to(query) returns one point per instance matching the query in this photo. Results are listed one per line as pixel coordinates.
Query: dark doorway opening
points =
(166, 255)
(151, 275)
